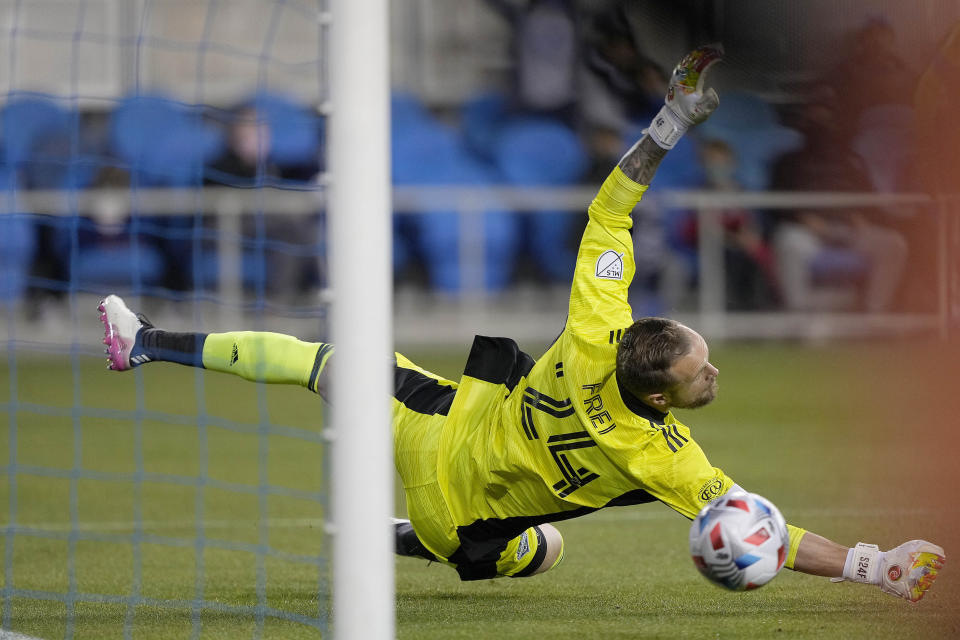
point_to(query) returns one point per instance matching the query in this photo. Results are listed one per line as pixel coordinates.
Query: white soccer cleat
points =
(120, 329)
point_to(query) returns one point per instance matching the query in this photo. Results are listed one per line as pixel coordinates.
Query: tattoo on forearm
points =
(642, 160)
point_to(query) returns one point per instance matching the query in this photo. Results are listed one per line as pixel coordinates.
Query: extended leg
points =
(258, 356)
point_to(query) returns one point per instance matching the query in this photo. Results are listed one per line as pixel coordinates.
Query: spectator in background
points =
(825, 256)
(158, 141)
(529, 138)
(279, 252)
(50, 145)
(620, 87)
(871, 73)
(751, 283)
(545, 47)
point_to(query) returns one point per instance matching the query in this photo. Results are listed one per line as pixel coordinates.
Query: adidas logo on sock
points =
(234, 355)
(139, 359)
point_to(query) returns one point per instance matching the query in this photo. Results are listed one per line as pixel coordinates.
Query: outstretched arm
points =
(820, 557)
(906, 571)
(641, 162)
(686, 104)
(598, 300)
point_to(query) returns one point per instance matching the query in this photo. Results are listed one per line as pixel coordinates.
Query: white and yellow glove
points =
(906, 571)
(686, 103)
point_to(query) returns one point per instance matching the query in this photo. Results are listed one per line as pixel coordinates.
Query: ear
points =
(657, 401)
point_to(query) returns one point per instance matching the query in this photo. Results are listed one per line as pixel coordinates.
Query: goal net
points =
(169, 151)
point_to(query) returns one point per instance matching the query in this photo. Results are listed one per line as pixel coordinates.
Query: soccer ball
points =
(740, 541)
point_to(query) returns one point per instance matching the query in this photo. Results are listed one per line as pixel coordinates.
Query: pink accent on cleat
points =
(120, 326)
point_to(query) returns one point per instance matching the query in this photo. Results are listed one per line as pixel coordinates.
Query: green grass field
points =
(854, 443)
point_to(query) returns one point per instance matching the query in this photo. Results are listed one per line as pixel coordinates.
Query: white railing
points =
(228, 204)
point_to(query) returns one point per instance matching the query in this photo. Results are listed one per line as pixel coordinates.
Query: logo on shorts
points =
(894, 573)
(524, 547)
(610, 265)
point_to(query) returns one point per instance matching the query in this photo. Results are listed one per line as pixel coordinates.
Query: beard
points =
(701, 400)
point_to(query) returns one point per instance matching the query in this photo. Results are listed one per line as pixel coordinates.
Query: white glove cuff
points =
(863, 564)
(666, 129)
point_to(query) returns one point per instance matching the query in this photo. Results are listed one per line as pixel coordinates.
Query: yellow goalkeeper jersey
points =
(527, 442)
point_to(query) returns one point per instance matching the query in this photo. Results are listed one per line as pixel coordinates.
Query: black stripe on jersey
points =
(554, 412)
(564, 465)
(563, 489)
(566, 468)
(537, 396)
(317, 361)
(573, 480)
(421, 393)
(611, 336)
(619, 335)
(559, 369)
(497, 360)
(569, 436)
(552, 406)
(673, 438)
(526, 419)
(667, 440)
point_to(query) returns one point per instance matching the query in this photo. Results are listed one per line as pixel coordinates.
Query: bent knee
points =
(548, 551)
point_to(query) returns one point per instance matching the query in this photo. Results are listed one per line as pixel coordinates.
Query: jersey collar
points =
(639, 407)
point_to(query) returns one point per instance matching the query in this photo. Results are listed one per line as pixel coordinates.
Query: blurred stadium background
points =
(173, 152)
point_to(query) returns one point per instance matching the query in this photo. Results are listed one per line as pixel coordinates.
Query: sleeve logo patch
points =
(711, 490)
(610, 265)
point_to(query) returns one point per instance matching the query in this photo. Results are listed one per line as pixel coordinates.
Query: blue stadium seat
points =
(45, 144)
(44, 148)
(295, 131)
(163, 142)
(27, 117)
(18, 241)
(538, 152)
(425, 152)
(481, 117)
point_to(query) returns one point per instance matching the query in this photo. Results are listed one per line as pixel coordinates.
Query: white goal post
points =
(362, 467)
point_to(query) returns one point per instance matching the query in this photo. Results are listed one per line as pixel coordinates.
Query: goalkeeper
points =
(488, 462)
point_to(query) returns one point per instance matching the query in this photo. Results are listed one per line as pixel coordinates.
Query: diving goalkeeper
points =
(489, 461)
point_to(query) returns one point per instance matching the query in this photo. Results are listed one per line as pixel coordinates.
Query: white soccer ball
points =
(739, 541)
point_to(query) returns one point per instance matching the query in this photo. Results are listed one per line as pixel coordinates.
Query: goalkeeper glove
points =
(686, 103)
(906, 571)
